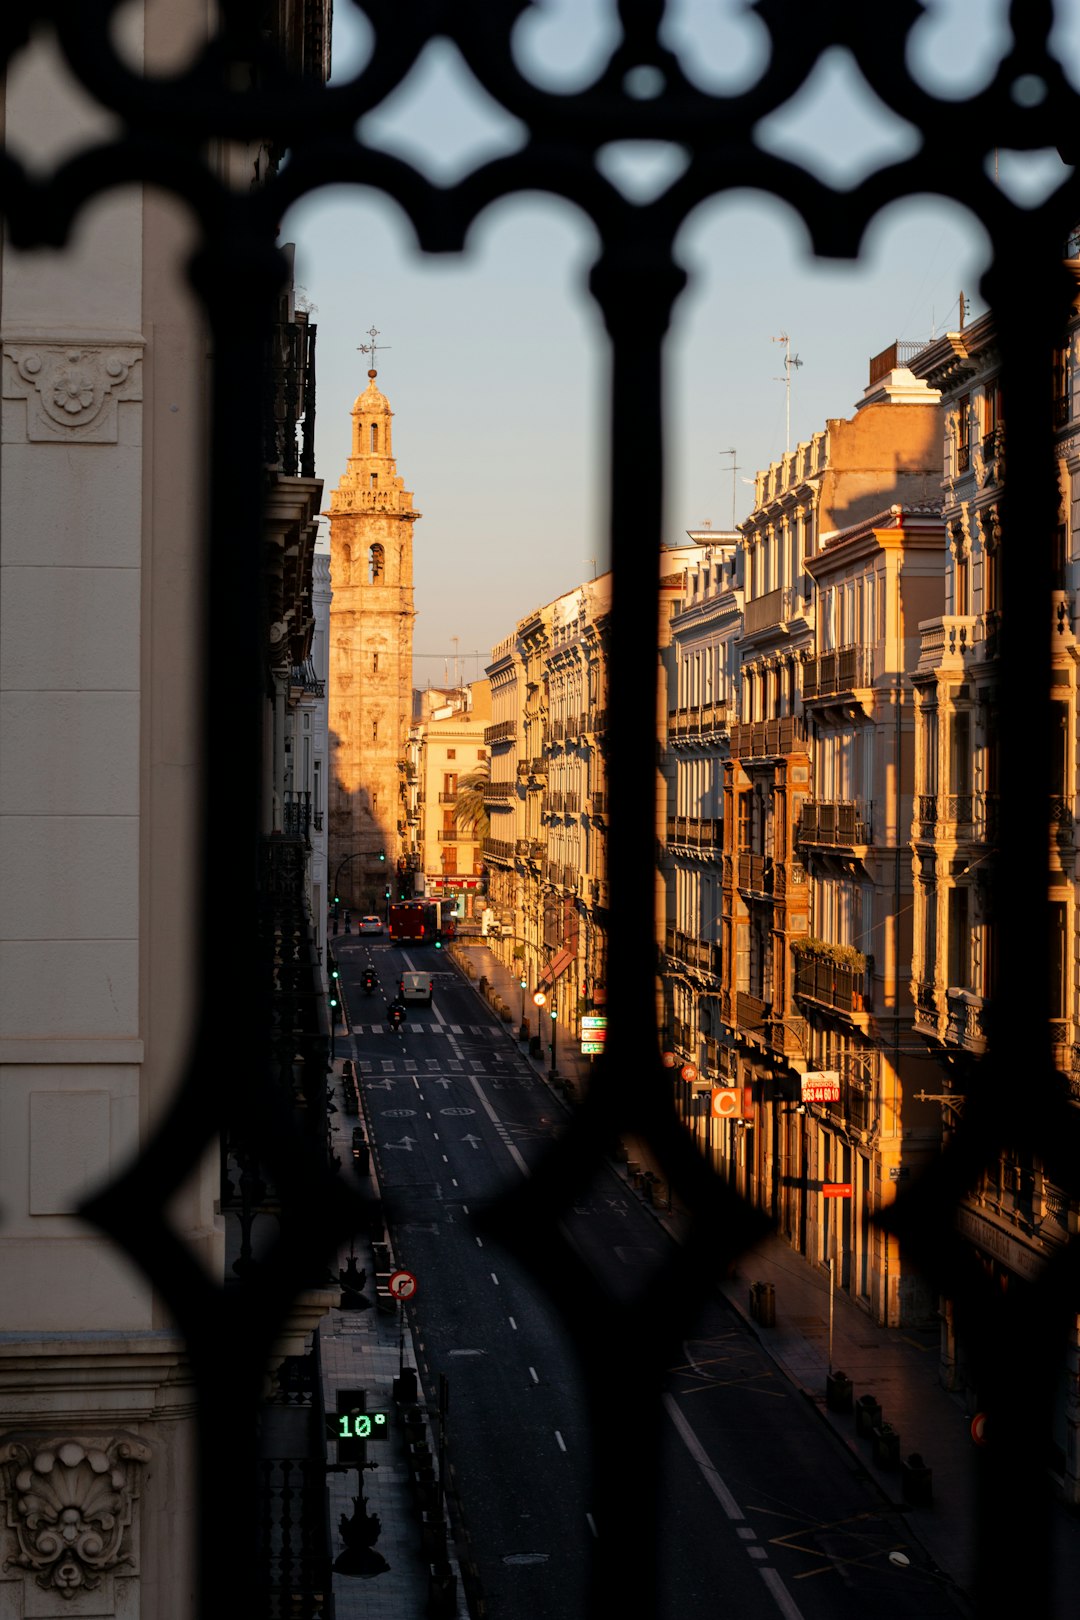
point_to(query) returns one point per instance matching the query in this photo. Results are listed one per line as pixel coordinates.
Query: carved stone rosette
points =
(72, 389)
(68, 1506)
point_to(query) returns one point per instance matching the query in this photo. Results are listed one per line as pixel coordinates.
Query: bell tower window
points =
(376, 563)
(374, 438)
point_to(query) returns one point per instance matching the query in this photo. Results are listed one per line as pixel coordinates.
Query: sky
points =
(495, 362)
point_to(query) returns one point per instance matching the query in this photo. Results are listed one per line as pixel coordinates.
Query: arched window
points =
(374, 438)
(376, 563)
(373, 481)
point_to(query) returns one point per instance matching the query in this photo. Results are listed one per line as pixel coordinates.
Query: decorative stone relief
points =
(72, 389)
(68, 1505)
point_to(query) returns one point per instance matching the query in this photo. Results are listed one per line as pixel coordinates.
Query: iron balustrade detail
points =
(163, 128)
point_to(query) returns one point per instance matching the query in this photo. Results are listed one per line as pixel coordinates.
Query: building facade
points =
(452, 746)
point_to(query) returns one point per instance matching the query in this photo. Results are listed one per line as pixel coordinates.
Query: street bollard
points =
(917, 1481)
(839, 1392)
(867, 1415)
(886, 1446)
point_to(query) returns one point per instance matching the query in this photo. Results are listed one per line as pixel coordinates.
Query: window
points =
(963, 416)
(373, 480)
(959, 938)
(376, 563)
(374, 663)
(374, 731)
(451, 753)
(374, 439)
(481, 753)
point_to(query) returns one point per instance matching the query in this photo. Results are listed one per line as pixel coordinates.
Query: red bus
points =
(415, 921)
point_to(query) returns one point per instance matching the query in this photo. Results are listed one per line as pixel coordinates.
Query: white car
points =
(369, 925)
(416, 987)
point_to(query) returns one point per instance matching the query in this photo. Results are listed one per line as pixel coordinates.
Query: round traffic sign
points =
(978, 1428)
(402, 1284)
(689, 1071)
(539, 998)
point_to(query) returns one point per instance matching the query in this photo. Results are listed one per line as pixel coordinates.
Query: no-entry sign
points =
(402, 1284)
(836, 1189)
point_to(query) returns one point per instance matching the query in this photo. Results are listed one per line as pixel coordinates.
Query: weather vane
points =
(372, 347)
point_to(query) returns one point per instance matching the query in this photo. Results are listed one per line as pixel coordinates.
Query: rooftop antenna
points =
(372, 348)
(790, 362)
(734, 469)
(457, 680)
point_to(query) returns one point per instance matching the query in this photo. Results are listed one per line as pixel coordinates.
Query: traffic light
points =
(438, 944)
(382, 854)
(386, 893)
(551, 1010)
(334, 990)
(523, 981)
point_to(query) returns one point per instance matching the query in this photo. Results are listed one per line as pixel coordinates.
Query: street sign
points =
(730, 1102)
(978, 1428)
(591, 1048)
(402, 1284)
(593, 1033)
(689, 1071)
(821, 1085)
(836, 1189)
(594, 1021)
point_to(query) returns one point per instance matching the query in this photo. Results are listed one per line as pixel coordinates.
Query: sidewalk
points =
(364, 1350)
(897, 1367)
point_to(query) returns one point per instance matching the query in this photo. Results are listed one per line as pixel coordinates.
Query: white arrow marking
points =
(407, 1142)
(475, 1140)
(443, 1080)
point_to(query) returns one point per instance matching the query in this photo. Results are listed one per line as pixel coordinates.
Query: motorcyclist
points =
(369, 981)
(396, 1013)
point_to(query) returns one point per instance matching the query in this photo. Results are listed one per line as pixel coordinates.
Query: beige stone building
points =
(104, 566)
(371, 634)
(451, 745)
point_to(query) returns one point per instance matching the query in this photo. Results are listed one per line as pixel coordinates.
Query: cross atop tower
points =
(372, 347)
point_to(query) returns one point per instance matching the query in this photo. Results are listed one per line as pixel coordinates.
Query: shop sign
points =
(821, 1085)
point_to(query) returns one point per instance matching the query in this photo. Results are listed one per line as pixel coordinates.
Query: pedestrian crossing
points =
(415, 1028)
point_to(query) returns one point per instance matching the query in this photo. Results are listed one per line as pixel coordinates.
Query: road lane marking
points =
(479, 1243)
(512, 1323)
(498, 1124)
(701, 1457)
(591, 1522)
(781, 1596)
(562, 1442)
(534, 1375)
(495, 1279)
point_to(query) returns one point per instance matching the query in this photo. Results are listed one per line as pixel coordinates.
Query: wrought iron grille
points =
(239, 88)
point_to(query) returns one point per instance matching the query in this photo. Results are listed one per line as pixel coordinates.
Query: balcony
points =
(768, 739)
(289, 398)
(296, 815)
(703, 954)
(833, 977)
(448, 798)
(501, 731)
(556, 730)
(500, 790)
(708, 720)
(597, 805)
(695, 832)
(993, 456)
(946, 643)
(965, 1020)
(756, 874)
(845, 669)
(498, 849)
(599, 893)
(834, 823)
(538, 767)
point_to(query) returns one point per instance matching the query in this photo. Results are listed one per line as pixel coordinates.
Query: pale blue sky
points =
(496, 362)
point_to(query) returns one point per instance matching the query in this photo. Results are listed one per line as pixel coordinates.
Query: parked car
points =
(416, 987)
(370, 925)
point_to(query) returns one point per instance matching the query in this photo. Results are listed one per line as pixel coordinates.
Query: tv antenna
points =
(372, 348)
(791, 361)
(734, 469)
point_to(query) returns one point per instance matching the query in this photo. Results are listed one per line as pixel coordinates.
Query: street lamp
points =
(553, 1072)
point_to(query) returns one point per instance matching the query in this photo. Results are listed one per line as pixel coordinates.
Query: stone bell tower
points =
(371, 637)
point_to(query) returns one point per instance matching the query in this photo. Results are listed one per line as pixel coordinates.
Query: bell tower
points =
(370, 676)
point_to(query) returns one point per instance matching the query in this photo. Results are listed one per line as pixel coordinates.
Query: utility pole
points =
(791, 361)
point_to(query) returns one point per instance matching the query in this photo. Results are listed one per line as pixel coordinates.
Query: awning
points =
(558, 964)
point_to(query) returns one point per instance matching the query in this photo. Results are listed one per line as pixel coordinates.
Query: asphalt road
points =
(761, 1510)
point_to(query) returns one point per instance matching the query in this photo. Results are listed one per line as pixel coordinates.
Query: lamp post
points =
(553, 1072)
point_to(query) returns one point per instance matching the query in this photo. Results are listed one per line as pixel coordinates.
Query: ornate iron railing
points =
(162, 130)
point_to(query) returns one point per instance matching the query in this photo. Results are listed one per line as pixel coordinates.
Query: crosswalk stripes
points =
(413, 1028)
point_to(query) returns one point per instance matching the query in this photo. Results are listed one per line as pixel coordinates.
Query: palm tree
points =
(469, 811)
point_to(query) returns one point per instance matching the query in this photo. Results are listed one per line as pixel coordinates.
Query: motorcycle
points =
(370, 984)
